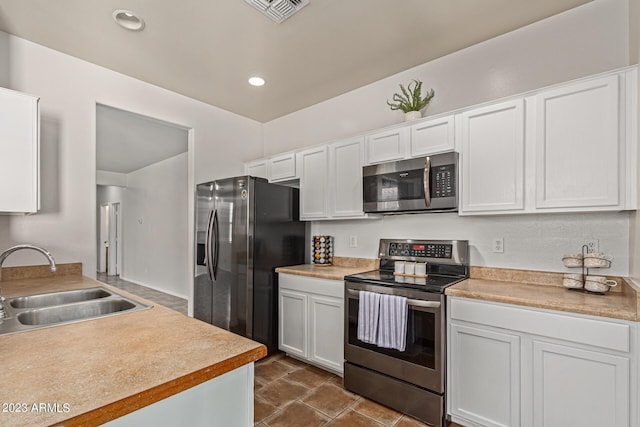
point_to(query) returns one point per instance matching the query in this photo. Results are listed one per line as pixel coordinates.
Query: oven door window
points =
(421, 333)
(393, 187)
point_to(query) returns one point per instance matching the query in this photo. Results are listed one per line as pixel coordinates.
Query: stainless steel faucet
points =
(5, 254)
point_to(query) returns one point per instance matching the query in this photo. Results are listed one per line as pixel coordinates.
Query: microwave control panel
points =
(428, 250)
(443, 181)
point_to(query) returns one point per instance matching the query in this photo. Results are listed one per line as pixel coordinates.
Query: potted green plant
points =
(410, 101)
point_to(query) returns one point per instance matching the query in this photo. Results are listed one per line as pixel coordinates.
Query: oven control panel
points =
(422, 250)
(431, 251)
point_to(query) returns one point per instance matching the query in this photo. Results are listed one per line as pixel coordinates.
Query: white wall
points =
(155, 227)
(69, 89)
(4, 64)
(111, 178)
(531, 242)
(583, 41)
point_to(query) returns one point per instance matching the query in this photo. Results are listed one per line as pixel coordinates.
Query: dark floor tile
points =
(262, 410)
(309, 376)
(267, 372)
(297, 415)
(382, 414)
(330, 399)
(407, 421)
(281, 392)
(294, 362)
(353, 419)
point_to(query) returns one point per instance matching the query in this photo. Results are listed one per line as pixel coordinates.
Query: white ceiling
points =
(207, 49)
(126, 142)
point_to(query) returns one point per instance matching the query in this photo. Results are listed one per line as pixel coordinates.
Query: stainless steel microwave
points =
(414, 185)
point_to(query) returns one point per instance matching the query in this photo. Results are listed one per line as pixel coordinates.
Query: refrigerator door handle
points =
(216, 243)
(208, 260)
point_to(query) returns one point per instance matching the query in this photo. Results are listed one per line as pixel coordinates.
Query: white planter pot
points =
(412, 115)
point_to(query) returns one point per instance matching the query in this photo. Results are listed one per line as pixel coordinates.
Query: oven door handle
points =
(410, 301)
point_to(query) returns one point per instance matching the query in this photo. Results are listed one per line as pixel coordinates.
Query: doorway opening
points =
(110, 242)
(142, 167)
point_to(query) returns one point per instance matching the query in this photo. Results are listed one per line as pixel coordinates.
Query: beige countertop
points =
(105, 368)
(342, 266)
(545, 290)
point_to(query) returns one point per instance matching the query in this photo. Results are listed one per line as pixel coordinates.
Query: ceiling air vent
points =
(278, 10)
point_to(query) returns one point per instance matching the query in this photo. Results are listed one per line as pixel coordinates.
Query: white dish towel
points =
(368, 313)
(392, 322)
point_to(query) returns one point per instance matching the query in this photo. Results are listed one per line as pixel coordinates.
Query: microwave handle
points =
(425, 182)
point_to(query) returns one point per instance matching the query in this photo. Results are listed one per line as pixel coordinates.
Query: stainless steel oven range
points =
(411, 381)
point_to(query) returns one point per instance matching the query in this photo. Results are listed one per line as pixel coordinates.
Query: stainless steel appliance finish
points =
(418, 373)
(31, 312)
(414, 185)
(245, 228)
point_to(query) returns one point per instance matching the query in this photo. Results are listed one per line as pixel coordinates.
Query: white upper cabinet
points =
(19, 152)
(493, 157)
(345, 174)
(282, 168)
(314, 169)
(579, 145)
(569, 148)
(433, 136)
(257, 168)
(387, 146)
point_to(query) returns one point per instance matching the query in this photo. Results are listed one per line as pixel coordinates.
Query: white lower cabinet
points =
(575, 387)
(485, 381)
(311, 320)
(293, 323)
(516, 366)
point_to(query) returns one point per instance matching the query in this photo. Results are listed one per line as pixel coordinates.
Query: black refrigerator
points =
(245, 228)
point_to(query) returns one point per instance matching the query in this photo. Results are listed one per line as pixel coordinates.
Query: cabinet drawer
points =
(588, 331)
(326, 287)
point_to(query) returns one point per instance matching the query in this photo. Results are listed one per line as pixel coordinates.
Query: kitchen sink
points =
(59, 308)
(58, 298)
(71, 312)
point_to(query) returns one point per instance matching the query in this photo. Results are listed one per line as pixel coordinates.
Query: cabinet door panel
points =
(596, 395)
(327, 332)
(485, 376)
(257, 169)
(282, 167)
(19, 152)
(578, 145)
(386, 146)
(293, 323)
(313, 183)
(493, 158)
(346, 160)
(433, 136)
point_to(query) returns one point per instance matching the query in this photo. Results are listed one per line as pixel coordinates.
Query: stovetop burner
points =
(447, 262)
(432, 283)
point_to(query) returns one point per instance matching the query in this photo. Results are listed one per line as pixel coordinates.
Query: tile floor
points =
(290, 393)
(161, 298)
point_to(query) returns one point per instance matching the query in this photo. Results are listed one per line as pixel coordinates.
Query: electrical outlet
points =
(353, 241)
(592, 245)
(498, 245)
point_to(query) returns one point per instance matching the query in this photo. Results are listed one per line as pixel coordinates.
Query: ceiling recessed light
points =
(256, 81)
(128, 20)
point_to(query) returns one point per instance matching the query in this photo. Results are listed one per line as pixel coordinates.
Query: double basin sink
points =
(58, 308)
